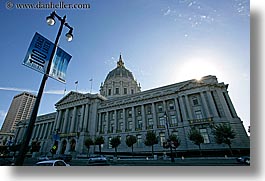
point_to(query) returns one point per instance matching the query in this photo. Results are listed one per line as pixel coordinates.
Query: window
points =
(130, 125)
(121, 114)
(175, 133)
(150, 122)
(161, 121)
(125, 90)
(162, 138)
(109, 139)
(171, 105)
(117, 91)
(132, 91)
(173, 120)
(140, 124)
(109, 92)
(160, 107)
(129, 113)
(205, 135)
(139, 140)
(120, 125)
(149, 110)
(138, 111)
(112, 127)
(198, 114)
(195, 101)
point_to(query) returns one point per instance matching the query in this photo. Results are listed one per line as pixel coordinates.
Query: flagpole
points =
(91, 80)
(76, 83)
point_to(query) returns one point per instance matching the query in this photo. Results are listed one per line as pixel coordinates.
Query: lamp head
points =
(69, 35)
(50, 19)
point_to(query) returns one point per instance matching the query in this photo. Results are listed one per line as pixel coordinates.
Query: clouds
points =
(2, 117)
(57, 92)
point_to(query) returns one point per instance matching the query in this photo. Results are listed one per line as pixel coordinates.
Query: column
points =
(33, 132)
(204, 105)
(224, 105)
(123, 119)
(143, 117)
(212, 104)
(133, 119)
(115, 121)
(42, 130)
(188, 107)
(177, 110)
(72, 128)
(182, 108)
(46, 130)
(49, 129)
(37, 131)
(86, 118)
(81, 118)
(58, 120)
(154, 115)
(230, 104)
(66, 114)
(99, 122)
(107, 121)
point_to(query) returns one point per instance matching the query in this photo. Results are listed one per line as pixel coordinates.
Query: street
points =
(203, 161)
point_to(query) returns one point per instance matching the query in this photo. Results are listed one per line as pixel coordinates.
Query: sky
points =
(161, 42)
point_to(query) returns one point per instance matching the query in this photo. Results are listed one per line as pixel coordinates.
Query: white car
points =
(43, 158)
(52, 163)
(97, 160)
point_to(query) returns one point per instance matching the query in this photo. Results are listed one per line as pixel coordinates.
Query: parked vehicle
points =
(65, 157)
(43, 158)
(244, 160)
(52, 163)
(99, 159)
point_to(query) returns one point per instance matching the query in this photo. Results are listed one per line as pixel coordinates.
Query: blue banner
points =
(59, 65)
(39, 53)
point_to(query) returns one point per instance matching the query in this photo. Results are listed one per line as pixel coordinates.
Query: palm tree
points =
(223, 133)
(115, 142)
(196, 137)
(88, 143)
(151, 140)
(99, 141)
(130, 141)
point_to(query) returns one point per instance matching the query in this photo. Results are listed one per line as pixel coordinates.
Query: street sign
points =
(39, 53)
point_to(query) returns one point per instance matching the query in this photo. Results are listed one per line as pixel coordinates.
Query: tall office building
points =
(20, 109)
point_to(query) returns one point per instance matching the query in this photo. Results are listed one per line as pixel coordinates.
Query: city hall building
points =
(122, 109)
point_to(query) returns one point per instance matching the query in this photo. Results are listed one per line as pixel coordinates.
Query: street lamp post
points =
(170, 146)
(51, 21)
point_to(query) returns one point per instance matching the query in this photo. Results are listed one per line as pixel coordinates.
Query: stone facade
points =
(193, 103)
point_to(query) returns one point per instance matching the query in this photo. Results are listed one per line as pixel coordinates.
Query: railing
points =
(160, 126)
(201, 121)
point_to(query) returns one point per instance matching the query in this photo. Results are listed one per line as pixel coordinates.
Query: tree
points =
(88, 143)
(151, 140)
(196, 137)
(99, 141)
(223, 133)
(115, 142)
(175, 142)
(35, 146)
(130, 141)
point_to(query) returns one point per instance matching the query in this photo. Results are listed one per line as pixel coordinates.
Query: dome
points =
(119, 81)
(119, 71)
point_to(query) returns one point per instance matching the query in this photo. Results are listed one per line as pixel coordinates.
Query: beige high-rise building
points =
(20, 109)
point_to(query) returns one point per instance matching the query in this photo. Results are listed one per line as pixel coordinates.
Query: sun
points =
(196, 68)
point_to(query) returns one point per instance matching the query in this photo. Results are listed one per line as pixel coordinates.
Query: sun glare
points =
(196, 68)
